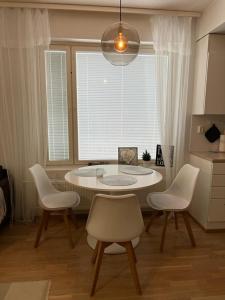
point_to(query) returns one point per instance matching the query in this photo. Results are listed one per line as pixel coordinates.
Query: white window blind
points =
(116, 106)
(56, 76)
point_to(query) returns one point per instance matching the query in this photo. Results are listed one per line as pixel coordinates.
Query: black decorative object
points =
(212, 134)
(3, 172)
(5, 186)
(159, 157)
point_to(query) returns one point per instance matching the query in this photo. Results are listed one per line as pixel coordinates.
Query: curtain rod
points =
(95, 8)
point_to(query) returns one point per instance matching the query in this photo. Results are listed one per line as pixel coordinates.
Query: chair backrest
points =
(115, 218)
(42, 182)
(184, 183)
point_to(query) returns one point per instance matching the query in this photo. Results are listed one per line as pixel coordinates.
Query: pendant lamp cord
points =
(120, 12)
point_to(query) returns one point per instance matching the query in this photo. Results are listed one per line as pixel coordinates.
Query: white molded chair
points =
(115, 219)
(51, 200)
(176, 199)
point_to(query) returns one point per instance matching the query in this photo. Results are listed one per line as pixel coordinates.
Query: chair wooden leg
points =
(164, 231)
(132, 262)
(133, 253)
(123, 244)
(73, 218)
(93, 260)
(47, 220)
(189, 230)
(101, 248)
(176, 220)
(41, 226)
(155, 215)
(66, 220)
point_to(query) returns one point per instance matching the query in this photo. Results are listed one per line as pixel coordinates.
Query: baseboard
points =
(208, 230)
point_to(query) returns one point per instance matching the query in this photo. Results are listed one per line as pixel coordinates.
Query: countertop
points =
(215, 157)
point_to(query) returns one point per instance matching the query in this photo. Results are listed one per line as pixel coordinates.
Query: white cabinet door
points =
(208, 204)
(218, 192)
(209, 87)
(216, 210)
(200, 78)
(219, 168)
(218, 180)
(215, 87)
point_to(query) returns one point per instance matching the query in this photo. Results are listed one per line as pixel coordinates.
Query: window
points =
(112, 106)
(116, 106)
(56, 77)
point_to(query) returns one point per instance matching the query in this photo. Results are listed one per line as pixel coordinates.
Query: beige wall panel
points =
(91, 25)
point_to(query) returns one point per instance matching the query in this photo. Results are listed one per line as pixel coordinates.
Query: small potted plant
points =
(146, 158)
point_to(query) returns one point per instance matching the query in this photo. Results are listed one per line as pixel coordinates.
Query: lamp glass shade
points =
(120, 44)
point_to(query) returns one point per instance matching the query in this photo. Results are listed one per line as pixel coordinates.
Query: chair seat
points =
(165, 201)
(61, 200)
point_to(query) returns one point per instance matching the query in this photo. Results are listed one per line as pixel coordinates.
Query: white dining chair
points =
(176, 199)
(51, 200)
(115, 219)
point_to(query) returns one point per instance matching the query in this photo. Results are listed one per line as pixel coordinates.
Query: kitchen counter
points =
(215, 157)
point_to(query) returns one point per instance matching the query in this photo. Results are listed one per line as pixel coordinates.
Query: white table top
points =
(93, 183)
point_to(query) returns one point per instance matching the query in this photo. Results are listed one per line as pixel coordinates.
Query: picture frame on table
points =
(128, 156)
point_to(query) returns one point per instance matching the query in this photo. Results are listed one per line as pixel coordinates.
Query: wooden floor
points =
(180, 273)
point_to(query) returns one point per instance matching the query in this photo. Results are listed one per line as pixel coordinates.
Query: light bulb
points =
(120, 43)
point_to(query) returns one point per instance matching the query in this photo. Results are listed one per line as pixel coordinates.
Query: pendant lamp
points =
(120, 43)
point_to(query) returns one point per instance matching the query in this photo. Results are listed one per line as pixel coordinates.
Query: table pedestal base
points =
(112, 249)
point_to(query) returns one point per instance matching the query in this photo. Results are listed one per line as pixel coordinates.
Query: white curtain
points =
(24, 35)
(172, 44)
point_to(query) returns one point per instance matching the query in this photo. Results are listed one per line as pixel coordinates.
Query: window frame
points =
(71, 49)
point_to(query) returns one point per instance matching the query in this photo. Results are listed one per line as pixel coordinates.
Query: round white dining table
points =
(77, 178)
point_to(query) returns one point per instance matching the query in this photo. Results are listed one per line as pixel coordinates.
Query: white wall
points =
(213, 16)
(91, 25)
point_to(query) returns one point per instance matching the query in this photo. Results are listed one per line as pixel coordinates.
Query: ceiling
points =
(184, 5)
